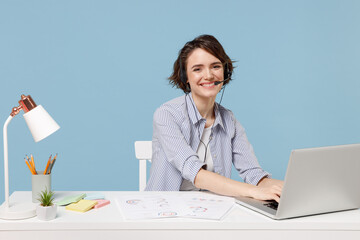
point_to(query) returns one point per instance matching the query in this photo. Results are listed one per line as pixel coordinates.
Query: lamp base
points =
(18, 211)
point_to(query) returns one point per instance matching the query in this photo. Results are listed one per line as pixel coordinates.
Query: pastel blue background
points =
(100, 68)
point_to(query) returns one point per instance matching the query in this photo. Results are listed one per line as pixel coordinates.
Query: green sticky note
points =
(71, 199)
(94, 196)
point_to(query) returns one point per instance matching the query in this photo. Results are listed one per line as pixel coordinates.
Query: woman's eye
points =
(196, 69)
(217, 66)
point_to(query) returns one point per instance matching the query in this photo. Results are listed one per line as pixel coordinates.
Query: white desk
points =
(240, 223)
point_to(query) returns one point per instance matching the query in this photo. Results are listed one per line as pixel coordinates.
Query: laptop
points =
(317, 180)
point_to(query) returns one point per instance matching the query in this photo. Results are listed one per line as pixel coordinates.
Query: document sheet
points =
(150, 205)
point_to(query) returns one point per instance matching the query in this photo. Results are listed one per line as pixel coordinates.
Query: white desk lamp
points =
(41, 125)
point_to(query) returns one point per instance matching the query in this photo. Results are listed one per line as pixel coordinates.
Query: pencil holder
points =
(39, 183)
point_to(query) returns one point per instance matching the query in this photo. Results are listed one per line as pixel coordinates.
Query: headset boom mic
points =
(218, 82)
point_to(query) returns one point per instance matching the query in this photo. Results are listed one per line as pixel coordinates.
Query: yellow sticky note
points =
(81, 206)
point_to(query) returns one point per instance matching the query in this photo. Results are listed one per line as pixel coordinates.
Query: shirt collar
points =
(194, 114)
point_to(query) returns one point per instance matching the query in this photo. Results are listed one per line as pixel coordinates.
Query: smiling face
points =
(203, 69)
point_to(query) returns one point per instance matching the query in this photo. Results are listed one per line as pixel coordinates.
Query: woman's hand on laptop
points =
(267, 189)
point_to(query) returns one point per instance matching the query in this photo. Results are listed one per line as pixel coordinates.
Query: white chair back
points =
(143, 152)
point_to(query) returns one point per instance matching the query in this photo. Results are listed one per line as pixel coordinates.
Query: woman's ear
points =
(188, 89)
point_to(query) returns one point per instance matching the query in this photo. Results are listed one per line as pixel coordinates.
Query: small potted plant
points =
(47, 209)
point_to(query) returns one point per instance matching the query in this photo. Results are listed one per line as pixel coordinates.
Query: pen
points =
(52, 163)
(47, 165)
(27, 163)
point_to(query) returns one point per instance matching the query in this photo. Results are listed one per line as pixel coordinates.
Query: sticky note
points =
(101, 203)
(81, 206)
(70, 199)
(94, 196)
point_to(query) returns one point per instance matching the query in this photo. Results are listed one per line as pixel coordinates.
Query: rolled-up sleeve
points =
(167, 131)
(244, 158)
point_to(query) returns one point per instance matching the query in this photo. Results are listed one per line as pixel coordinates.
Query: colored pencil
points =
(33, 164)
(47, 165)
(27, 163)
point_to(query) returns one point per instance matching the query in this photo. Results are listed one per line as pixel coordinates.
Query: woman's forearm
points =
(221, 185)
(267, 190)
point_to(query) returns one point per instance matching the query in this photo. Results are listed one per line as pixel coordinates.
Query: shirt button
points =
(214, 155)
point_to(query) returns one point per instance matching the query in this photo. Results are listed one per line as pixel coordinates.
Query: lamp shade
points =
(40, 123)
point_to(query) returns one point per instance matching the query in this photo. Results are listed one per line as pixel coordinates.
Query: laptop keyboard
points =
(272, 204)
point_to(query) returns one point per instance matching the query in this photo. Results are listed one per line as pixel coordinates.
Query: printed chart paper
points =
(185, 204)
(207, 206)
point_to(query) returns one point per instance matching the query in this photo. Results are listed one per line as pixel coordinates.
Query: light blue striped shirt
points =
(177, 125)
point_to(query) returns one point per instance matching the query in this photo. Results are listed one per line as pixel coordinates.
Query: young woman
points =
(196, 140)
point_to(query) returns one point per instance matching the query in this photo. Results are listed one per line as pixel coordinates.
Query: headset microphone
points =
(219, 82)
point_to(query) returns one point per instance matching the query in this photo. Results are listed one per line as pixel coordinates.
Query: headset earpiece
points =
(227, 72)
(183, 77)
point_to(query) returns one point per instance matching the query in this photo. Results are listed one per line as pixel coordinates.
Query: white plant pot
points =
(46, 213)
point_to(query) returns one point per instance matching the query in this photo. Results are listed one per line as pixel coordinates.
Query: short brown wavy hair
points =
(206, 42)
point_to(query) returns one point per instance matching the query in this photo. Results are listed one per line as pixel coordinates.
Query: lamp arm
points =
(6, 161)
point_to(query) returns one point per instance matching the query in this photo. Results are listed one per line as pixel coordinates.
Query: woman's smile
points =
(208, 84)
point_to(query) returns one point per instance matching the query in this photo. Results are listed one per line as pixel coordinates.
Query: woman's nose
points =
(208, 74)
